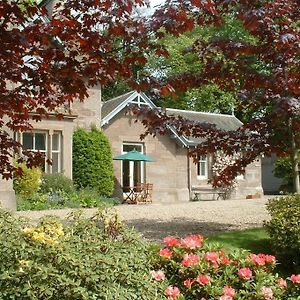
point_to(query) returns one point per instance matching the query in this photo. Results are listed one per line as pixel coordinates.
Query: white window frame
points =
(202, 159)
(59, 151)
(48, 148)
(131, 163)
(34, 132)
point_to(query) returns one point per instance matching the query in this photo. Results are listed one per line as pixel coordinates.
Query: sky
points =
(155, 2)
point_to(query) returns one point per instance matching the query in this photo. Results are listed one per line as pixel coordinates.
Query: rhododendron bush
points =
(190, 268)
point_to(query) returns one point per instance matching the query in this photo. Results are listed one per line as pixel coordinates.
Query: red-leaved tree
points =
(263, 72)
(46, 61)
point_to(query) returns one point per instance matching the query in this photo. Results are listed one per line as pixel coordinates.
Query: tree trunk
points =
(295, 163)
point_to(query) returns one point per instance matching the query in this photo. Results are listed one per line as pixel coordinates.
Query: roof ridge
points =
(118, 97)
(200, 112)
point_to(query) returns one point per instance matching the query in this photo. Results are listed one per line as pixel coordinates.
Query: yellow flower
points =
(28, 230)
(38, 236)
(51, 241)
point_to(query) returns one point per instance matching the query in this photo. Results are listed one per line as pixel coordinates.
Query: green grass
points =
(256, 240)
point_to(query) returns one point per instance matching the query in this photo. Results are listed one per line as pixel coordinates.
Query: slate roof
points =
(222, 121)
(110, 105)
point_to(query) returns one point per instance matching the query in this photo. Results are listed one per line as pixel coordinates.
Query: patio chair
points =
(144, 191)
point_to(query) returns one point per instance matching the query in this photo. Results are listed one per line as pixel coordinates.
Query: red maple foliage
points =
(264, 73)
(48, 61)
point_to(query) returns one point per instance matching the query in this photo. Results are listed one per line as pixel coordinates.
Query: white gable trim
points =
(140, 99)
(135, 98)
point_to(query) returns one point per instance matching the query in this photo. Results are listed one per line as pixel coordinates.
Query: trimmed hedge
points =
(284, 228)
(92, 161)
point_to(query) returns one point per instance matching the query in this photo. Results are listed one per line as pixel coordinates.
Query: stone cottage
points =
(173, 173)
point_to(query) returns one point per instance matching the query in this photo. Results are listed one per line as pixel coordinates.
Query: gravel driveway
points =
(156, 221)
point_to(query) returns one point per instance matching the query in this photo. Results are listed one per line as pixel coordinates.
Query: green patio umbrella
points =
(134, 156)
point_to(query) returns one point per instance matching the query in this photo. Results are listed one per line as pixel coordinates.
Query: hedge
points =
(92, 161)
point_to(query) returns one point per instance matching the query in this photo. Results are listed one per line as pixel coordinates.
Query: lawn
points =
(256, 240)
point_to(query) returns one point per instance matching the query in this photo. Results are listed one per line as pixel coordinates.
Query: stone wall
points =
(88, 112)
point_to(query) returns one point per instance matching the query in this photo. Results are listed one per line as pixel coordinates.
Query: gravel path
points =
(156, 221)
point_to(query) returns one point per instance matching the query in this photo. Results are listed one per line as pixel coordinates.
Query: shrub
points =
(85, 198)
(41, 201)
(52, 183)
(191, 269)
(284, 228)
(92, 161)
(27, 184)
(95, 258)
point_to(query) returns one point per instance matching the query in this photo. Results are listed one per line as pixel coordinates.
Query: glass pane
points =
(55, 141)
(137, 173)
(40, 141)
(127, 148)
(28, 140)
(126, 173)
(55, 163)
(202, 168)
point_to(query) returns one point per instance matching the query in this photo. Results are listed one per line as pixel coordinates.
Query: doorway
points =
(132, 171)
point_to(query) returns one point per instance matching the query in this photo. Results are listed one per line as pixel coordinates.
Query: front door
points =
(132, 170)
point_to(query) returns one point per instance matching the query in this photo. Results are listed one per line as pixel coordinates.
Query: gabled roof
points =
(112, 107)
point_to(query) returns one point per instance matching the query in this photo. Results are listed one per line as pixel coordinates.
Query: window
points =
(49, 144)
(36, 141)
(202, 169)
(56, 153)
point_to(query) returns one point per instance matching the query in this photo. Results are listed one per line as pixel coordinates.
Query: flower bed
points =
(193, 269)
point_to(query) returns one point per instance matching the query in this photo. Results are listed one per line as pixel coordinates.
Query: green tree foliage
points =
(92, 161)
(283, 169)
(181, 59)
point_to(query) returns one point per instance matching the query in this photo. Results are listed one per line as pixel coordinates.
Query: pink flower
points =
(226, 297)
(245, 273)
(167, 253)
(257, 260)
(190, 260)
(158, 275)
(171, 241)
(212, 256)
(192, 241)
(188, 283)
(295, 278)
(267, 293)
(282, 283)
(203, 279)
(225, 261)
(270, 259)
(228, 291)
(172, 292)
